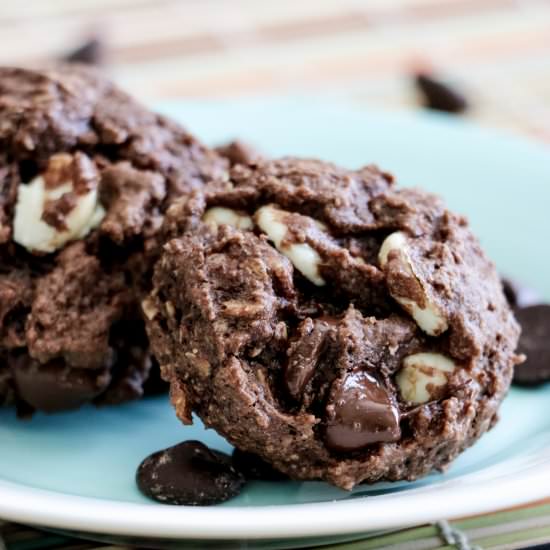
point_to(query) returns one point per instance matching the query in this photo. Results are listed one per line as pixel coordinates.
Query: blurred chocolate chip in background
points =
(519, 295)
(438, 95)
(90, 52)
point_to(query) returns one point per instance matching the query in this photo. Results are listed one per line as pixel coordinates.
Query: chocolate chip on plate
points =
(255, 468)
(440, 96)
(519, 295)
(90, 53)
(534, 342)
(189, 473)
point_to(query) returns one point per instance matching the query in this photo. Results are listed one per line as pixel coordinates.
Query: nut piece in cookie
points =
(334, 325)
(219, 215)
(305, 259)
(58, 206)
(422, 376)
(407, 288)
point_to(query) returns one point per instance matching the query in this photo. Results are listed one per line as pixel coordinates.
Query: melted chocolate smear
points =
(360, 413)
(534, 342)
(255, 468)
(189, 473)
(90, 52)
(440, 96)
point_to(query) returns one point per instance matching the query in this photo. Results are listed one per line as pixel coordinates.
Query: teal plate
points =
(75, 471)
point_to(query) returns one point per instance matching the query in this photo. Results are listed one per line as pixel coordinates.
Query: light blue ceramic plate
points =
(75, 471)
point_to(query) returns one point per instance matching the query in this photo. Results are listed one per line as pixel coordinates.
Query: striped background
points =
(360, 50)
(497, 51)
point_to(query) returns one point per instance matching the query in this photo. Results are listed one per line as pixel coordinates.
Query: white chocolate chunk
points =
(149, 308)
(429, 318)
(395, 241)
(218, 215)
(31, 232)
(421, 373)
(269, 220)
(304, 258)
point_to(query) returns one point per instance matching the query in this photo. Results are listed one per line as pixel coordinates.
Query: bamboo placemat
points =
(520, 528)
(497, 51)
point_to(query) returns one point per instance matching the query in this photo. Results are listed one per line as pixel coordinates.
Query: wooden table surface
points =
(356, 50)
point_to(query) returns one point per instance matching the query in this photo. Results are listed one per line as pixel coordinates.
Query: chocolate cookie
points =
(86, 174)
(338, 327)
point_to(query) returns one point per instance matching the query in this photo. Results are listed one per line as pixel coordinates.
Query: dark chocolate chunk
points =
(439, 95)
(360, 412)
(90, 52)
(255, 468)
(304, 355)
(189, 473)
(534, 342)
(55, 387)
(519, 295)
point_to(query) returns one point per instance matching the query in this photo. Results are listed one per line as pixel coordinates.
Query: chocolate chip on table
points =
(519, 295)
(360, 413)
(440, 96)
(255, 468)
(90, 53)
(534, 342)
(189, 473)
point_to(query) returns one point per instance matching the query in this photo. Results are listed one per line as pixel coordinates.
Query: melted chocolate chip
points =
(535, 343)
(360, 413)
(255, 468)
(519, 295)
(90, 52)
(440, 96)
(189, 473)
(55, 387)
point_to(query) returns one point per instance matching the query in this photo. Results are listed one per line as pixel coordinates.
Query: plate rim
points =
(75, 513)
